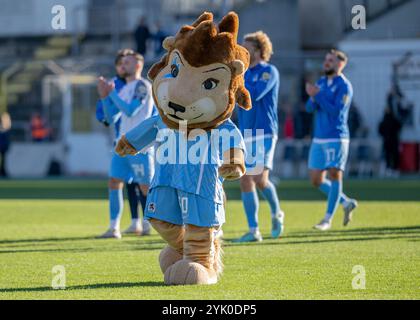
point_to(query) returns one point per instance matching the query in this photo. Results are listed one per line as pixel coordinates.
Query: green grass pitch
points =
(53, 222)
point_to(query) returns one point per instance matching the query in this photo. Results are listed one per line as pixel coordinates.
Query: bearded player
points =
(330, 101)
(133, 189)
(132, 105)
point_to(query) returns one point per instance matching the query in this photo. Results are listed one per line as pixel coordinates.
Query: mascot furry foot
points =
(174, 235)
(167, 257)
(185, 272)
(202, 258)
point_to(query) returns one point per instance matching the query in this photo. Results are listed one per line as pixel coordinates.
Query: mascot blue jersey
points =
(190, 165)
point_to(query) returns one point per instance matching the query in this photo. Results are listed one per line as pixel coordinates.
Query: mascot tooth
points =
(197, 82)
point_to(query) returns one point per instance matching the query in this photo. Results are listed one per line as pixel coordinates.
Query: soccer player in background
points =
(133, 189)
(132, 105)
(330, 100)
(263, 82)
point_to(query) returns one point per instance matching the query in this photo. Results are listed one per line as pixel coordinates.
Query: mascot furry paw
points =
(195, 87)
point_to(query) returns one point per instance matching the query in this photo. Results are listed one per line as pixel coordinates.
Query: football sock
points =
(270, 194)
(250, 202)
(115, 207)
(142, 198)
(333, 199)
(133, 200)
(325, 188)
(135, 222)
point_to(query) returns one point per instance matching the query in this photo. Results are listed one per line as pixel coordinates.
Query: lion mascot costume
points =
(195, 87)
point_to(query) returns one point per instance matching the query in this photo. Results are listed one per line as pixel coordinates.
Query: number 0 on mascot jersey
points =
(195, 85)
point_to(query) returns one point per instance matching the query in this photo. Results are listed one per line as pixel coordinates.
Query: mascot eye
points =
(174, 70)
(210, 84)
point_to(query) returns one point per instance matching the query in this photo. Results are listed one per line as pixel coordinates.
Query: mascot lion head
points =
(200, 77)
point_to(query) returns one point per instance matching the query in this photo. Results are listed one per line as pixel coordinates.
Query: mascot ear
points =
(230, 23)
(205, 16)
(243, 99)
(238, 67)
(155, 69)
(168, 43)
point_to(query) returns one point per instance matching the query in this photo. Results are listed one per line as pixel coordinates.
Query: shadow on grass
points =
(335, 240)
(38, 240)
(86, 249)
(62, 245)
(64, 239)
(411, 233)
(89, 286)
(357, 231)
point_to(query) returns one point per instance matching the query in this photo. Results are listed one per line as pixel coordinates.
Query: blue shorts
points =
(326, 155)
(138, 169)
(179, 207)
(259, 154)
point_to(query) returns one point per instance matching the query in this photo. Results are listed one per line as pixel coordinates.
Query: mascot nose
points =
(176, 107)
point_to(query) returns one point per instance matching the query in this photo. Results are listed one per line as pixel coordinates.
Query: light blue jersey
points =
(330, 145)
(331, 108)
(259, 125)
(188, 165)
(132, 105)
(186, 187)
(263, 83)
(100, 114)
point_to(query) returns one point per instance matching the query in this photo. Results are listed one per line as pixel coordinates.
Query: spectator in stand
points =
(141, 35)
(289, 123)
(303, 123)
(158, 37)
(389, 129)
(39, 130)
(355, 122)
(395, 102)
(5, 126)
